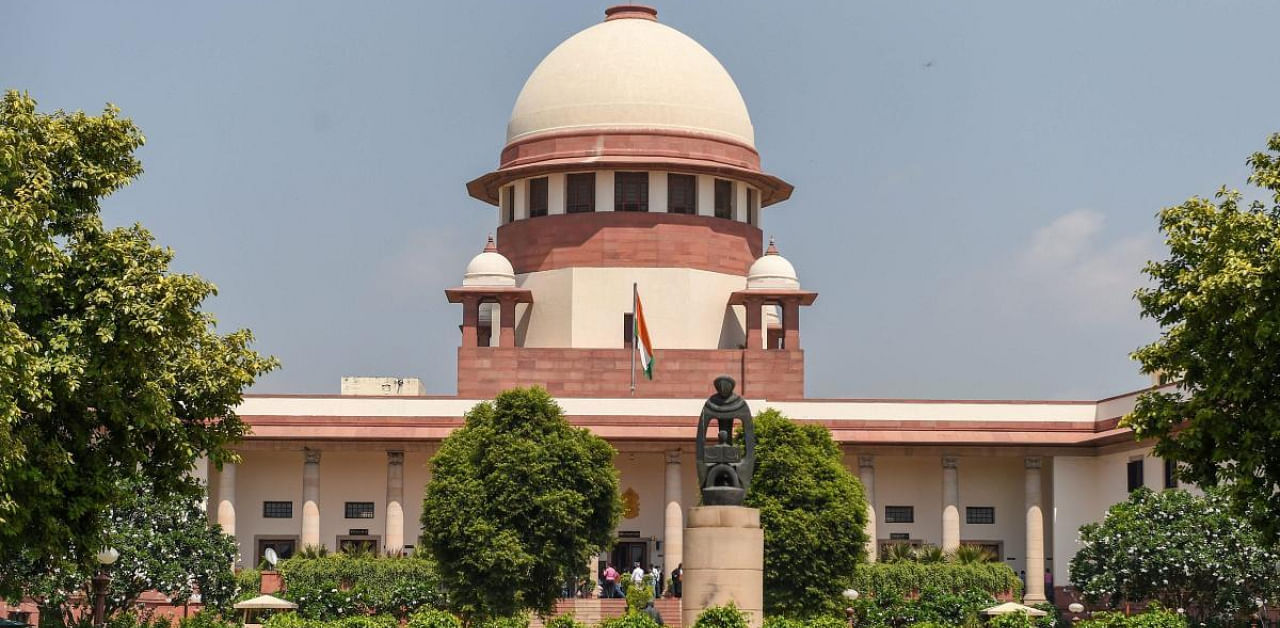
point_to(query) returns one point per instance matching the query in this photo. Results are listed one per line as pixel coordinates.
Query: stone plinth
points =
(723, 562)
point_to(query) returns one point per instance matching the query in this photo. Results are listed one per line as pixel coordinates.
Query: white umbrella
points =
(1013, 607)
(265, 601)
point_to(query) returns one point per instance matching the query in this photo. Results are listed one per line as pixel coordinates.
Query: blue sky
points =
(976, 183)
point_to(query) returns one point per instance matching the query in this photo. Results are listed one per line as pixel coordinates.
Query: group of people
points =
(611, 580)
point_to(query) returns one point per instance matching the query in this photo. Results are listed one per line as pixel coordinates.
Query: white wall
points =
(584, 307)
(1083, 488)
(266, 476)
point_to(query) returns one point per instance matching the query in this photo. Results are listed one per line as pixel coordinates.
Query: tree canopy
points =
(518, 501)
(1217, 300)
(166, 543)
(110, 373)
(813, 512)
(1179, 549)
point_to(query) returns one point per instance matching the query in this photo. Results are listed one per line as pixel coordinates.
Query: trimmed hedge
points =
(909, 578)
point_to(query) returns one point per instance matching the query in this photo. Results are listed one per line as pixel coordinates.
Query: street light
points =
(100, 582)
(849, 612)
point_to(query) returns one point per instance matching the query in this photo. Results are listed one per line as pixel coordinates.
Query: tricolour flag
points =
(643, 347)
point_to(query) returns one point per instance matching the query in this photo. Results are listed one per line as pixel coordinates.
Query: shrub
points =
(904, 578)
(206, 619)
(291, 620)
(632, 619)
(778, 621)
(512, 621)
(431, 618)
(366, 621)
(1012, 620)
(638, 596)
(1153, 617)
(727, 616)
(339, 585)
(248, 584)
(565, 621)
(826, 621)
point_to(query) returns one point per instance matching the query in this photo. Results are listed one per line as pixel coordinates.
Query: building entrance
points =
(627, 553)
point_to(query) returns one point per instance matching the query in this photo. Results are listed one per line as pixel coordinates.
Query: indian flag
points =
(643, 347)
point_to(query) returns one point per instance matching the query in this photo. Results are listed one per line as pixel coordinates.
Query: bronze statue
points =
(724, 471)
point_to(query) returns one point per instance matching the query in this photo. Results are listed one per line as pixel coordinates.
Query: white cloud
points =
(1075, 265)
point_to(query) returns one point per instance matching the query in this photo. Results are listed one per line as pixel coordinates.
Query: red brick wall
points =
(630, 239)
(678, 373)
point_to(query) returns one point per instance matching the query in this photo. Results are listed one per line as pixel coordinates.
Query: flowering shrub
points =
(1182, 550)
(1155, 617)
(432, 618)
(727, 616)
(338, 585)
(904, 578)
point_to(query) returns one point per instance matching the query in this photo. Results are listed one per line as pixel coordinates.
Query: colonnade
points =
(309, 531)
(1034, 592)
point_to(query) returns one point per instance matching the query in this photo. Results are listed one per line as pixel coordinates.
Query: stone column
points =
(507, 335)
(673, 525)
(201, 473)
(791, 324)
(950, 505)
(1035, 535)
(725, 562)
(470, 320)
(393, 541)
(227, 498)
(310, 498)
(755, 339)
(867, 471)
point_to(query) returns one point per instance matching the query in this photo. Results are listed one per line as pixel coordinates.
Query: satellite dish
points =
(271, 556)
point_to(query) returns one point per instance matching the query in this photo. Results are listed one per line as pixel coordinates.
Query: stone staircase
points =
(591, 610)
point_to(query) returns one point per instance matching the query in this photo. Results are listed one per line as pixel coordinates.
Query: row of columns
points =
(309, 534)
(1035, 592)
(790, 321)
(471, 318)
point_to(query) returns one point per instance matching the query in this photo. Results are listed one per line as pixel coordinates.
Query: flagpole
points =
(634, 339)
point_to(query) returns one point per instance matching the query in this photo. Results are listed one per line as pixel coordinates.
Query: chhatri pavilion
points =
(630, 159)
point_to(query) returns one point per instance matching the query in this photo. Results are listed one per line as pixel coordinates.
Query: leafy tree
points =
(110, 374)
(813, 513)
(517, 503)
(1217, 298)
(1179, 549)
(166, 544)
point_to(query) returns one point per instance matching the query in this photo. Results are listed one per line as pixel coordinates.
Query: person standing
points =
(677, 580)
(1048, 584)
(610, 581)
(637, 575)
(656, 574)
(652, 612)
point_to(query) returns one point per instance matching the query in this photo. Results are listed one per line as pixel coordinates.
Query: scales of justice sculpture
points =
(723, 542)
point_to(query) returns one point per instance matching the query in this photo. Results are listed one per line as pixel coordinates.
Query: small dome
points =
(489, 268)
(631, 72)
(772, 272)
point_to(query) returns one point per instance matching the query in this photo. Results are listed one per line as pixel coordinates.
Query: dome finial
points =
(489, 246)
(632, 11)
(773, 248)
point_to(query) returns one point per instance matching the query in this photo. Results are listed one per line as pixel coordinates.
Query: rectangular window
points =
(753, 207)
(1170, 467)
(1135, 474)
(899, 514)
(631, 191)
(682, 194)
(537, 197)
(508, 198)
(359, 510)
(979, 514)
(899, 536)
(277, 510)
(724, 198)
(580, 193)
(628, 329)
(284, 547)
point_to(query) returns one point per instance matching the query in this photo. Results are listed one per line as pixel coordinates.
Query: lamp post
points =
(100, 582)
(1076, 608)
(849, 612)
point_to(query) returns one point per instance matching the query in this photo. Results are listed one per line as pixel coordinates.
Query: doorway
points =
(627, 553)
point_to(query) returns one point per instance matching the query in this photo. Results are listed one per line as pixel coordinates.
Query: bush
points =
(727, 616)
(631, 619)
(366, 621)
(338, 585)
(514, 621)
(826, 621)
(291, 620)
(432, 618)
(905, 578)
(1012, 620)
(566, 620)
(248, 584)
(206, 619)
(1153, 617)
(777, 621)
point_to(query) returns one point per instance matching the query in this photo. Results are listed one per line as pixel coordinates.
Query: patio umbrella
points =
(1013, 607)
(263, 602)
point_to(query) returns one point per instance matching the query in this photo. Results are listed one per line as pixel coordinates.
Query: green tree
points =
(1217, 300)
(1179, 549)
(166, 544)
(813, 512)
(109, 371)
(517, 503)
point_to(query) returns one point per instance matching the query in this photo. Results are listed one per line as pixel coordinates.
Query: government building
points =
(630, 160)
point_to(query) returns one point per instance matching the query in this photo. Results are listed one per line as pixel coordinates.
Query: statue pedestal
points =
(723, 562)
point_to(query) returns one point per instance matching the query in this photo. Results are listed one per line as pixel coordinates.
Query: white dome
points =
(489, 268)
(630, 72)
(772, 271)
